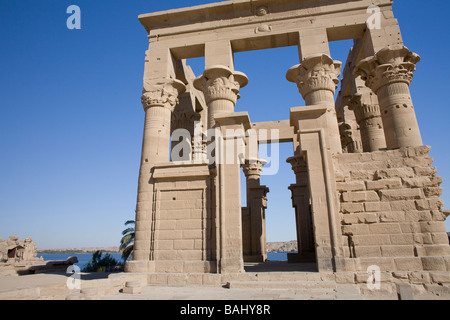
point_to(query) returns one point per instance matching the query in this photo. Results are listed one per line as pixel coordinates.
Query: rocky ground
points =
(288, 246)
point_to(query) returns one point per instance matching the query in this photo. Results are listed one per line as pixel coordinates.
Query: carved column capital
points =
(392, 64)
(221, 83)
(162, 93)
(363, 111)
(318, 72)
(300, 168)
(298, 163)
(253, 168)
(184, 119)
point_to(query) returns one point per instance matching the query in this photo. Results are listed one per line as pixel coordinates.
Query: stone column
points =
(317, 80)
(303, 218)
(185, 119)
(389, 73)
(369, 120)
(220, 86)
(256, 204)
(159, 100)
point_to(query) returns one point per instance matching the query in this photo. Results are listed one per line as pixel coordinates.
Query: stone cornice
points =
(243, 12)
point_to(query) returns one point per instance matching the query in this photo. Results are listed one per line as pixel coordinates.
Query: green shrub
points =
(99, 263)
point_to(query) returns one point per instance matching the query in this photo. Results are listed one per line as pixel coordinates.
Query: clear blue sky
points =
(71, 119)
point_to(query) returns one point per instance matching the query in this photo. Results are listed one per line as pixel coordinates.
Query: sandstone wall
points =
(391, 214)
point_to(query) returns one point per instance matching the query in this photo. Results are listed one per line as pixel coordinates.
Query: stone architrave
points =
(370, 123)
(221, 86)
(389, 73)
(317, 79)
(256, 204)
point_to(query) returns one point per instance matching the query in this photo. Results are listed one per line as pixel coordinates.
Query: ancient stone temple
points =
(366, 193)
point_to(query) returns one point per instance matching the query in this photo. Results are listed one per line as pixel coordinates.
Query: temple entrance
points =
(285, 220)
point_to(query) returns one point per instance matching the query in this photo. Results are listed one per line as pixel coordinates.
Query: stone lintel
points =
(306, 113)
(243, 12)
(233, 119)
(285, 131)
(180, 171)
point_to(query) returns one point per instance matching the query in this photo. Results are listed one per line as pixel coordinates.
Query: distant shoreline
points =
(78, 250)
(286, 246)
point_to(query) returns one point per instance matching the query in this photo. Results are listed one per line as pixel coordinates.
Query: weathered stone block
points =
(392, 216)
(410, 227)
(394, 173)
(432, 226)
(434, 264)
(397, 251)
(355, 229)
(362, 175)
(403, 205)
(377, 206)
(352, 207)
(432, 192)
(429, 204)
(394, 183)
(356, 218)
(401, 194)
(425, 171)
(419, 277)
(402, 239)
(418, 216)
(371, 240)
(408, 264)
(440, 277)
(350, 186)
(422, 182)
(439, 238)
(369, 251)
(183, 244)
(384, 228)
(361, 196)
(437, 250)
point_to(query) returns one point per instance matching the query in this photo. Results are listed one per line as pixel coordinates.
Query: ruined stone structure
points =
(365, 193)
(16, 250)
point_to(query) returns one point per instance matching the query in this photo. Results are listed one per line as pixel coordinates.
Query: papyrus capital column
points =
(252, 170)
(389, 73)
(256, 204)
(301, 203)
(159, 99)
(220, 86)
(317, 79)
(369, 120)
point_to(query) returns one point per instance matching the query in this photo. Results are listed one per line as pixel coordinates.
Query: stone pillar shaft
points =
(317, 79)
(159, 100)
(371, 125)
(256, 204)
(389, 73)
(301, 203)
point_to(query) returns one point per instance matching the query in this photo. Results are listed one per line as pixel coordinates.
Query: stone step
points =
(297, 285)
